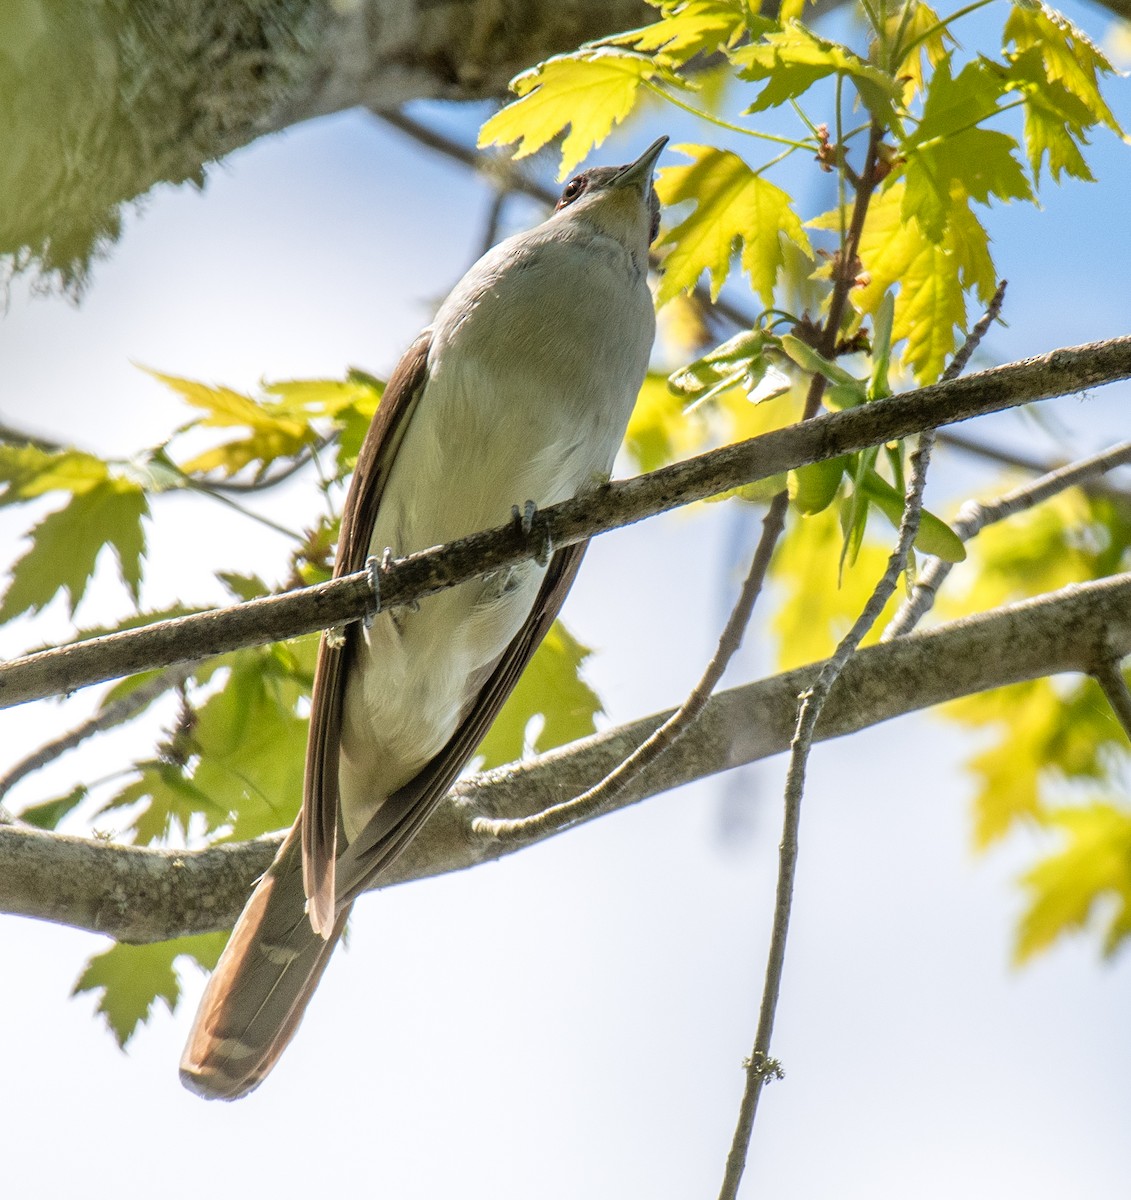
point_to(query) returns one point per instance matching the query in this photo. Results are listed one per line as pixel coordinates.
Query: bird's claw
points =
(524, 521)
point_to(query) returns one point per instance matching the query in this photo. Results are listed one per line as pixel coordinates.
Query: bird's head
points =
(619, 201)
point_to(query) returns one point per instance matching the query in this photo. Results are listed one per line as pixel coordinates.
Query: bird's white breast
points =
(535, 363)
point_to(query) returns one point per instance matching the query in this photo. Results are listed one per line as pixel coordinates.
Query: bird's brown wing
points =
(399, 819)
(320, 786)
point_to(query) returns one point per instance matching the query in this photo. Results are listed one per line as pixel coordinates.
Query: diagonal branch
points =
(613, 506)
(140, 894)
(974, 516)
(116, 713)
(595, 799)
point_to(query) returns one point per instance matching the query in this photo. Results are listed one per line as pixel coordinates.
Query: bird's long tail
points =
(261, 986)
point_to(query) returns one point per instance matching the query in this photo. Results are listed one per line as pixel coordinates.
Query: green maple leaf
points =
(1068, 57)
(276, 430)
(932, 277)
(1056, 121)
(692, 27)
(1065, 888)
(790, 60)
(589, 91)
(551, 686)
(949, 149)
(131, 978)
(49, 813)
(66, 544)
(238, 761)
(734, 207)
(28, 471)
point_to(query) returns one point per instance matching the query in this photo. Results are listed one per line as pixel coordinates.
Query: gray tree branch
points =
(65, 668)
(104, 101)
(139, 894)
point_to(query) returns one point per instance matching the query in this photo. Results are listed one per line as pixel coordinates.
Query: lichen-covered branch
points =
(102, 101)
(140, 894)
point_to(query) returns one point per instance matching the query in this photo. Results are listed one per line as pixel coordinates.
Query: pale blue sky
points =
(570, 1022)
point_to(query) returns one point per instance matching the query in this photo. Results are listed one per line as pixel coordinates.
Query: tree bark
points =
(101, 101)
(139, 894)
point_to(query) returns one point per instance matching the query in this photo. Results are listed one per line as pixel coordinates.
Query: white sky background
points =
(570, 1022)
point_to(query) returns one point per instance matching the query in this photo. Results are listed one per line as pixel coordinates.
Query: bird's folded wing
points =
(399, 819)
(320, 786)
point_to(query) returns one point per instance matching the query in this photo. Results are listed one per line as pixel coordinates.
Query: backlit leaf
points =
(923, 34)
(1056, 121)
(948, 153)
(1070, 58)
(789, 61)
(1092, 868)
(935, 536)
(66, 544)
(130, 978)
(691, 27)
(552, 687)
(734, 208)
(932, 277)
(590, 91)
(28, 471)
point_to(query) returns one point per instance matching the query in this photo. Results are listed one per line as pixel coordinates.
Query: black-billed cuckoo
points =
(519, 391)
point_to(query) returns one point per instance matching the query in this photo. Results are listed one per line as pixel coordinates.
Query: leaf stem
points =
(712, 119)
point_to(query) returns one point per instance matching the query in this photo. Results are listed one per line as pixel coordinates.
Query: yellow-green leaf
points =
(790, 60)
(949, 155)
(1070, 58)
(818, 604)
(734, 206)
(935, 536)
(813, 488)
(550, 687)
(130, 978)
(66, 544)
(813, 361)
(1092, 868)
(693, 27)
(27, 472)
(930, 305)
(590, 90)
(1056, 121)
(922, 33)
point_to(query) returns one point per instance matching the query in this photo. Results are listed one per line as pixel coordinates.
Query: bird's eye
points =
(573, 189)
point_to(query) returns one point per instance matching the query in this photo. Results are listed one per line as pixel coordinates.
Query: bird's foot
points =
(524, 521)
(373, 568)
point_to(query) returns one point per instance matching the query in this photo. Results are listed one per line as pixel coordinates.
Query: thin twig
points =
(1110, 677)
(1093, 486)
(760, 1067)
(273, 478)
(251, 514)
(115, 713)
(974, 516)
(494, 219)
(590, 802)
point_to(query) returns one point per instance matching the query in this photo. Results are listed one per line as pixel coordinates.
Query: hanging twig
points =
(115, 713)
(590, 802)
(760, 1067)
